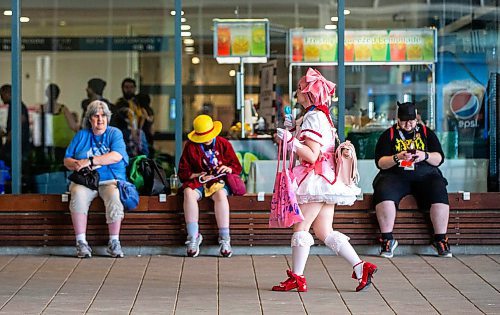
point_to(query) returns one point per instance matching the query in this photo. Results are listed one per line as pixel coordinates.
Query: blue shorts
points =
(201, 191)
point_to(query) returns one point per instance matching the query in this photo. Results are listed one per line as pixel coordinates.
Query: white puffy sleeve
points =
(314, 127)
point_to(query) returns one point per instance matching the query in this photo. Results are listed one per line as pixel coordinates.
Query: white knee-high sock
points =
(301, 244)
(299, 259)
(339, 243)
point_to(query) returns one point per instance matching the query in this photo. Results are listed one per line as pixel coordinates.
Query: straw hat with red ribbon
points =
(205, 129)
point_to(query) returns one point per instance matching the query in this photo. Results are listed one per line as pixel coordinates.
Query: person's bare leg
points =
(440, 214)
(386, 215)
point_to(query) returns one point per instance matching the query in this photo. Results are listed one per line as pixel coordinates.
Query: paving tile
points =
(397, 291)
(80, 289)
(466, 280)
(159, 289)
(37, 292)
(120, 287)
(368, 301)
(198, 287)
(432, 286)
(271, 270)
(322, 293)
(238, 293)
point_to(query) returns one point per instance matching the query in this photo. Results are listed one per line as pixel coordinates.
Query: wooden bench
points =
(44, 220)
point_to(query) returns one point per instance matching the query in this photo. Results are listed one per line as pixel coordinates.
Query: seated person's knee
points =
(190, 194)
(219, 195)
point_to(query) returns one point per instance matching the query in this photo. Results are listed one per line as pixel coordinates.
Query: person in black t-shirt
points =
(408, 155)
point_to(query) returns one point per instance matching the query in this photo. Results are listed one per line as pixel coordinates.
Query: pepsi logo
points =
(464, 104)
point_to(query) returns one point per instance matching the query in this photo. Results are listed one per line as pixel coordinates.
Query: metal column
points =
(179, 119)
(15, 104)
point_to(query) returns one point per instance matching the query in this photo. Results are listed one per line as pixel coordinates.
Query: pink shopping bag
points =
(285, 210)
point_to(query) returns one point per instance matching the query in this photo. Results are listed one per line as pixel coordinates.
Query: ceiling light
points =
(173, 12)
(189, 42)
(189, 49)
(232, 73)
(185, 27)
(24, 19)
(347, 12)
(7, 12)
(334, 19)
(195, 60)
(330, 27)
(185, 34)
(183, 20)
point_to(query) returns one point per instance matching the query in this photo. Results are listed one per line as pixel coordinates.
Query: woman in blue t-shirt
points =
(101, 147)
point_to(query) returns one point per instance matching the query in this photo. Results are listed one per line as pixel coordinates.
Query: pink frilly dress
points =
(318, 182)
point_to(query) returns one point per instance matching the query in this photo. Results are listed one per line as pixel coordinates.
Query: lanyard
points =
(210, 154)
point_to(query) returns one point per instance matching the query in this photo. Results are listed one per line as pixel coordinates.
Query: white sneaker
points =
(115, 249)
(193, 246)
(83, 250)
(225, 246)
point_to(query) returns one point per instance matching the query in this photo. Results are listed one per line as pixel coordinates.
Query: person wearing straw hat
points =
(318, 186)
(205, 160)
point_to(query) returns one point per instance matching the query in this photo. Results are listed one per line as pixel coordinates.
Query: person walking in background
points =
(95, 90)
(318, 186)
(58, 124)
(205, 161)
(144, 102)
(101, 147)
(6, 95)
(408, 155)
(128, 100)
(135, 139)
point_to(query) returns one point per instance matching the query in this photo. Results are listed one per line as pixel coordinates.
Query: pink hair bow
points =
(320, 88)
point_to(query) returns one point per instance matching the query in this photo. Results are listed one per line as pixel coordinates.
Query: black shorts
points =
(427, 189)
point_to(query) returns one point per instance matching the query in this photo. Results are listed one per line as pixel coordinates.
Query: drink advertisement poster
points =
(461, 108)
(364, 46)
(241, 38)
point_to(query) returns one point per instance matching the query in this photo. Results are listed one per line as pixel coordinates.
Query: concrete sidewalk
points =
(414, 284)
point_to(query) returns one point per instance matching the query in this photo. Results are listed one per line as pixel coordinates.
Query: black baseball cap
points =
(407, 111)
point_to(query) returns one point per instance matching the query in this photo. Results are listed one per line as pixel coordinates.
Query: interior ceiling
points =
(148, 15)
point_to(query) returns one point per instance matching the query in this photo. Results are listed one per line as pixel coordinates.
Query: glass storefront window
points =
(67, 43)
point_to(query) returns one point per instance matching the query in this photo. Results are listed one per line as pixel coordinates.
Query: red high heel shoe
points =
(293, 282)
(366, 279)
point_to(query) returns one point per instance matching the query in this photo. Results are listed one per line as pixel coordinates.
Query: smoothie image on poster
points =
(297, 48)
(223, 41)
(328, 48)
(380, 43)
(414, 46)
(397, 46)
(258, 40)
(348, 46)
(362, 48)
(311, 49)
(240, 40)
(429, 46)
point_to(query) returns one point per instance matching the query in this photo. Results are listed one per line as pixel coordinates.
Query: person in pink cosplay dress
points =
(318, 188)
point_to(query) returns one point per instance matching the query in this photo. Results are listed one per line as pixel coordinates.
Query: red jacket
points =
(193, 160)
